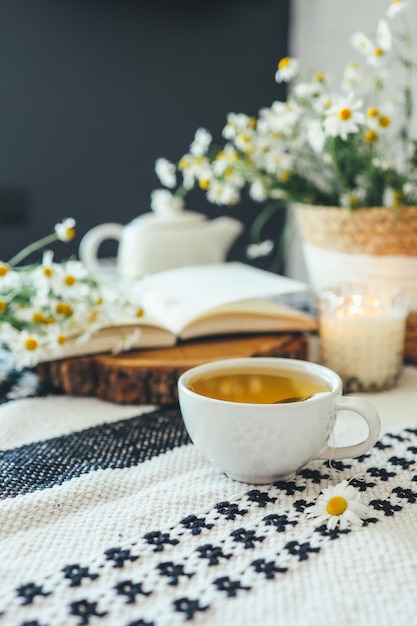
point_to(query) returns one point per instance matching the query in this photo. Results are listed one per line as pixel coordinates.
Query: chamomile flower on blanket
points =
(339, 504)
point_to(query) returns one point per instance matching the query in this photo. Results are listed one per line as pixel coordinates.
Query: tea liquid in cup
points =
(262, 386)
(261, 419)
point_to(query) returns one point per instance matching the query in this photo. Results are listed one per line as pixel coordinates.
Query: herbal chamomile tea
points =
(258, 386)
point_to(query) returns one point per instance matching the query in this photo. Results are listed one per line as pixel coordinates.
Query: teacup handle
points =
(366, 410)
(93, 239)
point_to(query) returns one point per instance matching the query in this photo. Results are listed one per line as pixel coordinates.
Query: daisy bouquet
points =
(350, 147)
(46, 304)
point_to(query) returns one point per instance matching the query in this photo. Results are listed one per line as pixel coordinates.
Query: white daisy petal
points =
(339, 505)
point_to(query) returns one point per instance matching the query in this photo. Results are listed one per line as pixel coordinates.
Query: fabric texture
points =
(109, 515)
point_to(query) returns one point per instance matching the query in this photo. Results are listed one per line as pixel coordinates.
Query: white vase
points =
(373, 245)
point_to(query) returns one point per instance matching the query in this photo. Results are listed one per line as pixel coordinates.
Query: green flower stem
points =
(260, 221)
(33, 247)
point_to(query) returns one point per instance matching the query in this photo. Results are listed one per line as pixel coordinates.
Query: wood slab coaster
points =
(150, 376)
(410, 348)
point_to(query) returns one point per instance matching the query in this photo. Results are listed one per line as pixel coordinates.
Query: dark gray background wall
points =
(93, 91)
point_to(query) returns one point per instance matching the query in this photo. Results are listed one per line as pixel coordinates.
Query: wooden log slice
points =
(150, 376)
(410, 348)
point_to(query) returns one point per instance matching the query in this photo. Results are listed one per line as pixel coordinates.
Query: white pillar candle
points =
(362, 335)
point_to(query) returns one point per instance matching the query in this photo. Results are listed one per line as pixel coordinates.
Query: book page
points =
(176, 297)
(256, 315)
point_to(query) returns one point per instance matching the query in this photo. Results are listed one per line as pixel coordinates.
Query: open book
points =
(199, 301)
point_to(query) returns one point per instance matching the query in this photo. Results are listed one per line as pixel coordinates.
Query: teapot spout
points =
(227, 229)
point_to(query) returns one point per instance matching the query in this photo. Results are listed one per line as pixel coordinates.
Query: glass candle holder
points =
(362, 333)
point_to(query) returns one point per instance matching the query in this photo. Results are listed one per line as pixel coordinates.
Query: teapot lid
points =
(150, 221)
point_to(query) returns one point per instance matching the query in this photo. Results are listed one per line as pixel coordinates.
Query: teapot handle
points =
(93, 239)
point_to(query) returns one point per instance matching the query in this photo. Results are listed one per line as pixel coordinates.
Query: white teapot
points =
(152, 242)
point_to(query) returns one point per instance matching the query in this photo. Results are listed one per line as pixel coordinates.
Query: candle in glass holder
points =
(362, 330)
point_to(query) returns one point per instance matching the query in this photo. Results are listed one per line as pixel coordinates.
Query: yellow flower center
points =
(372, 112)
(320, 77)
(31, 344)
(204, 184)
(371, 136)
(252, 122)
(38, 317)
(62, 308)
(284, 176)
(183, 163)
(70, 234)
(140, 312)
(4, 269)
(70, 280)
(384, 121)
(379, 52)
(284, 63)
(337, 505)
(48, 272)
(61, 340)
(345, 114)
(3, 306)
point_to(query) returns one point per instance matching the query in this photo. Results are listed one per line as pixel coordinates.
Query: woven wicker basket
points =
(376, 231)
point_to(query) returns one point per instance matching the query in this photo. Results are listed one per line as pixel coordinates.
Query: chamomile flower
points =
(287, 70)
(396, 7)
(165, 170)
(65, 230)
(201, 143)
(27, 347)
(261, 249)
(223, 194)
(353, 198)
(339, 505)
(344, 117)
(237, 123)
(316, 136)
(163, 202)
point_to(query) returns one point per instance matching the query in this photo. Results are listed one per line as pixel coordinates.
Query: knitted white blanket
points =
(110, 516)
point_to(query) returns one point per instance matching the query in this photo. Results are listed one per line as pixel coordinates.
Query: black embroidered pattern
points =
(231, 587)
(280, 522)
(159, 540)
(195, 524)
(395, 460)
(312, 475)
(247, 537)
(261, 498)
(230, 509)
(173, 572)
(380, 472)
(332, 533)
(119, 444)
(130, 590)
(30, 591)
(385, 506)
(85, 610)
(212, 553)
(407, 494)
(188, 607)
(269, 568)
(119, 556)
(75, 573)
(290, 487)
(301, 550)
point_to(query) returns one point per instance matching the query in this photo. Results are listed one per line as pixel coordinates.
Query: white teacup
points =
(263, 440)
